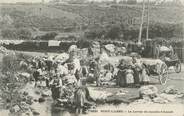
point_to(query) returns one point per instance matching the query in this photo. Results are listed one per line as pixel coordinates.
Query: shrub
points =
(10, 63)
(95, 31)
(10, 81)
(20, 33)
(24, 33)
(48, 36)
(114, 32)
(9, 33)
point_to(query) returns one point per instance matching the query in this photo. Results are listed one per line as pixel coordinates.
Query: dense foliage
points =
(10, 82)
(47, 36)
(20, 33)
(127, 32)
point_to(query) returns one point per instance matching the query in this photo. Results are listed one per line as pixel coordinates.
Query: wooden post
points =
(142, 21)
(147, 29)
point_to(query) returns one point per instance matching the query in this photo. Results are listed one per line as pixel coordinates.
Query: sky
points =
(33, 1)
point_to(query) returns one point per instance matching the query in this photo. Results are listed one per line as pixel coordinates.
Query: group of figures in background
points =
(132, 73)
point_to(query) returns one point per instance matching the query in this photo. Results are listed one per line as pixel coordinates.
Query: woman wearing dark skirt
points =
(56, 90)
(36, 75)
(121, 80)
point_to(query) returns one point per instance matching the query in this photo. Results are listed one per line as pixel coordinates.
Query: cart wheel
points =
(163, 74)
(177, 67)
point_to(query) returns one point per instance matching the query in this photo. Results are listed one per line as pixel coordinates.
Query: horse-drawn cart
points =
(175, 63)
(158, 68)
(171, 60)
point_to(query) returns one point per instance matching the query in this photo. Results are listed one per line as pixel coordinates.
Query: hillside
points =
(122, 12)
(77, 17)
(38, 10)
(39, 16)
(59, 16)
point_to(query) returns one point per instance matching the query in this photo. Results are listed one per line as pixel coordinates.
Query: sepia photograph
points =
(91, 57)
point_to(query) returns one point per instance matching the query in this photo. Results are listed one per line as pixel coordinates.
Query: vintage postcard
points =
(92, 57)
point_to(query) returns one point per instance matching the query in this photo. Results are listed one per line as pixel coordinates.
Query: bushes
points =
(83, 43)
(10, 63)
(10, 81)
(8, 33)
(24, 33)
(47, 36)
(50, 35)
(164, 30)
(95, 31)
(130, 32)
(110, 31)
(114, 32)
(20, 33)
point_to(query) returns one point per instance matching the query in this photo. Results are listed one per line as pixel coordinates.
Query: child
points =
(129, 76)
(144, 77)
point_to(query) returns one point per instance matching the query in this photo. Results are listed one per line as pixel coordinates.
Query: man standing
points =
(36, 75)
